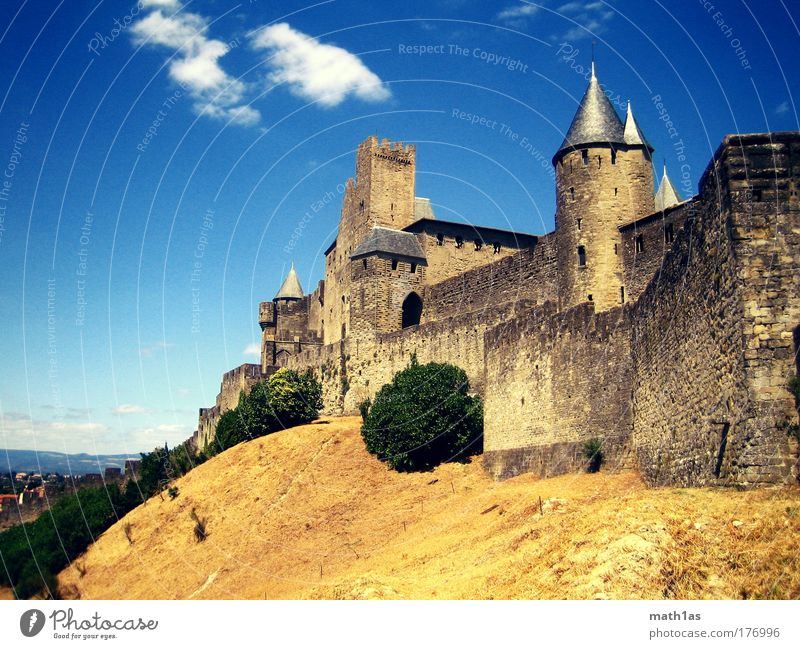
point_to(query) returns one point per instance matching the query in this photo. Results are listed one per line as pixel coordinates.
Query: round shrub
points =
(294, 398)
(424, 417)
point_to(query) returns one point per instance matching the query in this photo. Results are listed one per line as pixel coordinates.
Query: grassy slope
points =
(307, 513)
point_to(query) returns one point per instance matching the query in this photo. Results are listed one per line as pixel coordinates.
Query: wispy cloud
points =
(782, 108)
(20, 431)
(129, 409)
(316, 71)
(253, 349)
(196, 66)
(591, 16)
(148, 350)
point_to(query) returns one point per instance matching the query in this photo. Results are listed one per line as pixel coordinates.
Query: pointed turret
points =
(290, 289)
(595, 122)
(632, 134)
(666, 196)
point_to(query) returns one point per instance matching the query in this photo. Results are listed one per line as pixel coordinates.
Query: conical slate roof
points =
(633, 134)
(290, 289)
(595, 121)
(667, 195)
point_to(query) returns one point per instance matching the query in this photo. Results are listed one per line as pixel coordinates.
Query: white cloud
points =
(183, 391)
(129, 409)
(196, 65)
(316, 71)
(20, 431)
(591, 17)
(515, 13)
(165, 4)
(148, 350)
(253, 349)
(782, 108)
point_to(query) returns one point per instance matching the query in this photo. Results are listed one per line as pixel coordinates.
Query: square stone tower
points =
(382, 194)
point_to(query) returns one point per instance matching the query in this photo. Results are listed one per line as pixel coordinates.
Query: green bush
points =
(284, 400)
(424, 417)
(593, 450)
(794, 387)
(363, 408)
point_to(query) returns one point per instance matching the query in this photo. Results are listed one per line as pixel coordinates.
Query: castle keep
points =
(666, 327)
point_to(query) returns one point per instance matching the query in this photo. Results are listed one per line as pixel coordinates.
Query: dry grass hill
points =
(307, 513)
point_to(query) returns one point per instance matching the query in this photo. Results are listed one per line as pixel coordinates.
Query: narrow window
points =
(615, 191)
(581, 256)
(459, 242)
(616, 249)
(591, 299)
(496, 247)
(669, 233)
(413, 268)
(478, 244)
(579, 221)
(622, 294)
(361, 205)
(613, 157)
(572, 193)
(439, 239)
(585, 156)
(365, 263)
(599, 161)
(640, 243)
(394, 265)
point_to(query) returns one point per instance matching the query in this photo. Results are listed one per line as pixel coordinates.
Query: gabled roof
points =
(595, 120)
(633, 134)
(290, 289)
(667, 195)
(391, 242)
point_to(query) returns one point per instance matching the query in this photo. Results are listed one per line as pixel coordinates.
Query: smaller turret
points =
(632, 134)
(290, 289)
(666, 196)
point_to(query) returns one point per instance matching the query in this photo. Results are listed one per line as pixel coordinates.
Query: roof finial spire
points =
(593, 74)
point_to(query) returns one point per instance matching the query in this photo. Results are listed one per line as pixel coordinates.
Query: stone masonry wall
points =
(712, 342)
(642, 259)
(356, 369)
(554, 381)
(529, 274)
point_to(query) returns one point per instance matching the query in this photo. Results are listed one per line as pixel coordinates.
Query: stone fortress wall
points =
(669, 334)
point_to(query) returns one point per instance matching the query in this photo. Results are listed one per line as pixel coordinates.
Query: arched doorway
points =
(412, 310)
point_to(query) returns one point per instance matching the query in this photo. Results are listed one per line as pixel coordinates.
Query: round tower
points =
(604, 179)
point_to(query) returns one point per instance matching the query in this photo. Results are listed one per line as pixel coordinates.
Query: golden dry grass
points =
(307, 513)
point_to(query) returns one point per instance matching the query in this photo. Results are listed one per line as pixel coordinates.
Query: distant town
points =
(26, 494)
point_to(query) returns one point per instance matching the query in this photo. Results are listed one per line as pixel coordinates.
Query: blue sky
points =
(164, 162)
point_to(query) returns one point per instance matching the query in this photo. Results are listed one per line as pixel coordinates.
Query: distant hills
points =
(51, 462)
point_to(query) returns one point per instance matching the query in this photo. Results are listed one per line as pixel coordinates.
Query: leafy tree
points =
(424, 417)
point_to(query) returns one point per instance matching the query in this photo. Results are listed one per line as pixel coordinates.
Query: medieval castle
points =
(666, 327)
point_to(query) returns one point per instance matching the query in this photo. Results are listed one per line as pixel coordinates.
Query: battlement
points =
(388, 150)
